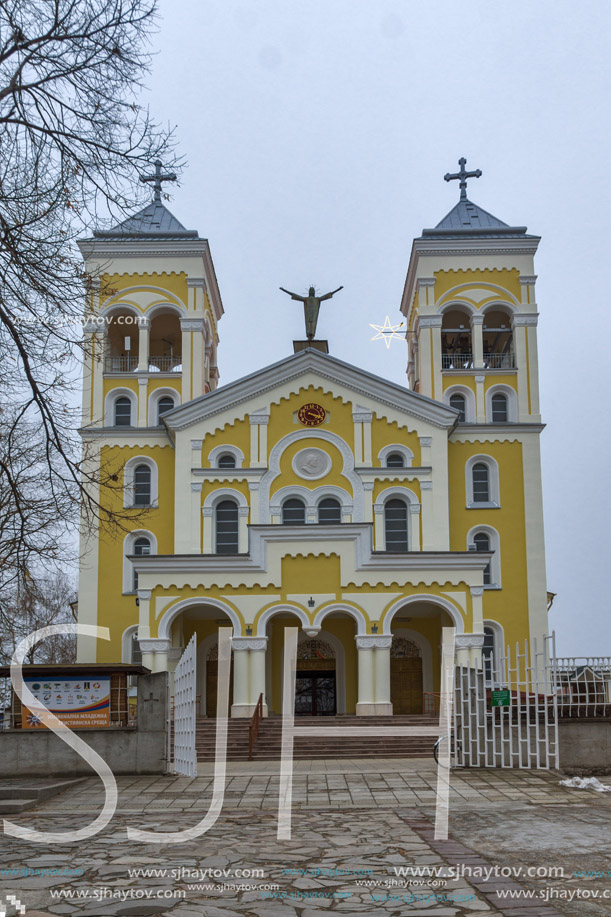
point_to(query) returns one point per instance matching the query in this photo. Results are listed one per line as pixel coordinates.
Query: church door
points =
(405, 677)
(315, 688)
(212, 674)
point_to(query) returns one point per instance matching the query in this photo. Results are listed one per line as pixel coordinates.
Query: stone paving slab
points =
(347, 816)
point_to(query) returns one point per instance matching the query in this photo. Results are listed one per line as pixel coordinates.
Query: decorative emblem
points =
(311, 464)
(311, 415)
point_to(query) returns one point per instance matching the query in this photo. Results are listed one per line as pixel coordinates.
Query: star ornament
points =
(387, 332)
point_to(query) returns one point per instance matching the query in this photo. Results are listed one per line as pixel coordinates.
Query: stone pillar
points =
(156, 650)
(428, 516)
(253, 488)
(143, 402)
(98, 343)
(258, 439)
(240, 706)
(196, 518)
(144, 614)
(208, 515)
(243, 512)
(414, 526)
(258, 646)
(477, 340)
(477, 605)
(192, 357)
(480, 399)
(430, 356)
(374, 675)
(519, 345)
(362, 418)
(379, 532)
(367, 503)
(524, 329)
(469, 649)
(144, 326)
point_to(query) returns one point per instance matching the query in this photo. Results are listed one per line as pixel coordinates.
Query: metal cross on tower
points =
(463, 175)
(158, 178)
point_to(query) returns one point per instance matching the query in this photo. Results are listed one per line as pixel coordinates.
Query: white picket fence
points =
(185, 712)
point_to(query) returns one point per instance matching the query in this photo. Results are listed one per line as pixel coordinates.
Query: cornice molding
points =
(248, 643)
(367, 642)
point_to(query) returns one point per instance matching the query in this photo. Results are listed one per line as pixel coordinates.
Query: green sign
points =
(501, 698)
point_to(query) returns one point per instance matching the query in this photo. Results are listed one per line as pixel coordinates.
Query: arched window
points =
(395, 460)
(329, 511)
(489, 656)
(481, 483)
(456, 349)
(142, 485)
(227, 460)
(500, 411)
(226, 517)
(395, 525)
(142, 546)
(481, 540)
(123, 412)
(164, 405)
(459, 403)
(293, 512)
(497, 340)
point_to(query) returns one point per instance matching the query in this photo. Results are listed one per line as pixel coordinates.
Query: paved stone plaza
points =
(353, 831)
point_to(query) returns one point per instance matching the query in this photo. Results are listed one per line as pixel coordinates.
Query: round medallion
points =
(311, 464)
(311, 415)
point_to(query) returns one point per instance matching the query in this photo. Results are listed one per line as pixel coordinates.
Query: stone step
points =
(16, 797)
(15, 806)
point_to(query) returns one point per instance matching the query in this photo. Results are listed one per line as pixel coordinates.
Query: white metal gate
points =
(523, 733)
(185, 756)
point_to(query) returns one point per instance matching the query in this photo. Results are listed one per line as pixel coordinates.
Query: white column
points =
(365, 705)
(243, 512)
(208, 513)
(192, 357)
(258, 646)
(241, 706)
(519, 345)
(374, 675)
(253, 488)
(477, 340)
(381, 661)
(414, 526)
(98, 347)
(480, 399)
(430, 355)
(477, 605)
(462, 649)
(367, 502)
(362, 436)
(379, 533)
(143, 402)
(155, 650)
(196, 518)
(144, 613)
(143, 344)
(258, 439)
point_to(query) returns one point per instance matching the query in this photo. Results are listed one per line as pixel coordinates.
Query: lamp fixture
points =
(311, 602)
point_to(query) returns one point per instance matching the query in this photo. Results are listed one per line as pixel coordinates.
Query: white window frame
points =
(512, 403)
(493, 482)
(413, 518)
(154, 399)
(405, 451)
(128, 481)
(209, 514)
(215, 454)
(128, 548)
(469, 400)
(311, 499)
(495, 547)
(109, 407)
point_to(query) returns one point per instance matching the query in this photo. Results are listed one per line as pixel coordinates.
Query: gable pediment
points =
(366, 391)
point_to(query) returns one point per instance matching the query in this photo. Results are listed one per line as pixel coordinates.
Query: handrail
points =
(253, 726)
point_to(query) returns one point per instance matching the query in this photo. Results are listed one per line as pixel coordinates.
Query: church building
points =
(312, 493)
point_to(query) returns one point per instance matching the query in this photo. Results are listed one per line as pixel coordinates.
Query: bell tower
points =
(152, 318)
(471, 314)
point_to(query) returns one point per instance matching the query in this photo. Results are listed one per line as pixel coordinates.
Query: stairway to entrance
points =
(330, 745)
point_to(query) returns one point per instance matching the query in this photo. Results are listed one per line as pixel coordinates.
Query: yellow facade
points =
(398, 512)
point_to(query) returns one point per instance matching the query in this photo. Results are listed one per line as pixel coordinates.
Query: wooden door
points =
(406, 685)
(212, 674)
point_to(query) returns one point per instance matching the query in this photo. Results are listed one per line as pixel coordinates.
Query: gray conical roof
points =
(154, 222)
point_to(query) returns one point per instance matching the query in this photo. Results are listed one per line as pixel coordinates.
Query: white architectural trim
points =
(469, 400)
(279, 610)
(356, 613)
(274, 469)
(426, 654)
(512, 402)
(448, 606)
(500, 304)
(126, 642)
(128, 548)
(395, 490)
(109, 407)
(223, 493)
(128, 479)
(154, 398)
(312, 498)
(405, 451)
(177, 308)
(457, 304)
(164, 628)
(493, 482)
(495, 547)
(228, 449)
(499, 648)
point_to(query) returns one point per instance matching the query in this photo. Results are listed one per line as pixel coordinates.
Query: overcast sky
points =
(317, 135)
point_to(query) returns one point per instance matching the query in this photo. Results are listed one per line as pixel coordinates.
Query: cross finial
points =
(158, 178)
(463, 175)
